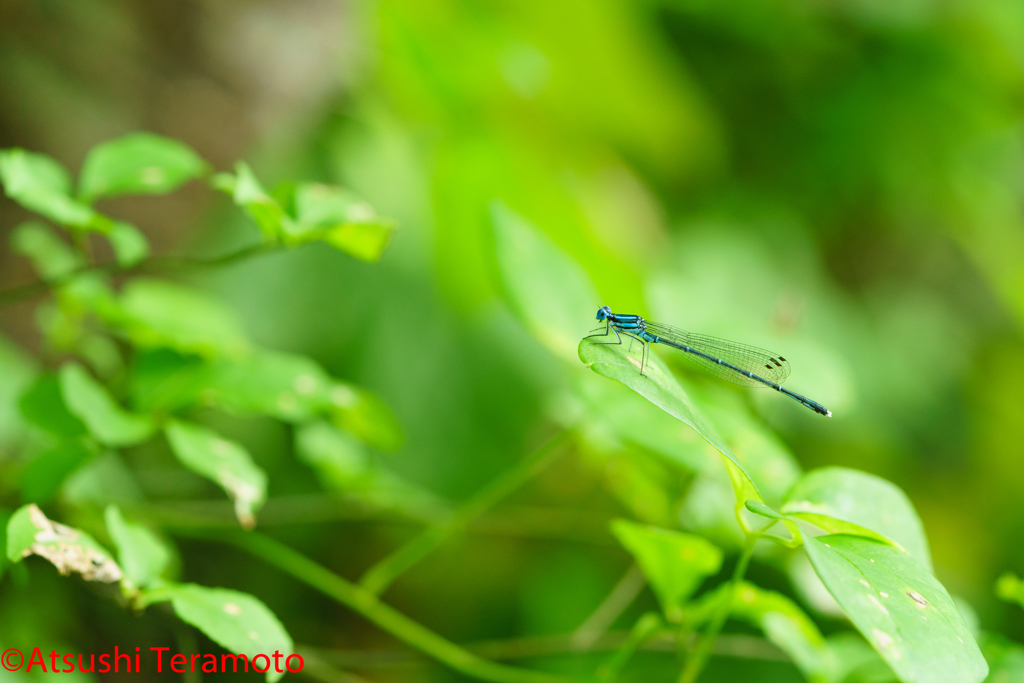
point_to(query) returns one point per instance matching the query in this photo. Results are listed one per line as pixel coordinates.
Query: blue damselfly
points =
(738, 363)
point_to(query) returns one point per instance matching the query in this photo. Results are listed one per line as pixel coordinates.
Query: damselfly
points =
(738, 363)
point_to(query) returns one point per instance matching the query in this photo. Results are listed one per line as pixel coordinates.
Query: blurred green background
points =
(842, 182)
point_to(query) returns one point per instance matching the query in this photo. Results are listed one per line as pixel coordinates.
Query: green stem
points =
(696, 661)
(378, 577)
(384, 616)
(159, 264)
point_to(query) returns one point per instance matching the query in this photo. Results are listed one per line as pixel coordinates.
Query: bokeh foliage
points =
(837, 181)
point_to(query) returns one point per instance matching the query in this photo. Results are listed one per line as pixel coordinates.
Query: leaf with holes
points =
(845, 501)
(108, 423)
(899, 607)
(675, 563)
(139, 163)
(236, 621)
(227, 463)
(29, 532)
(142, 556)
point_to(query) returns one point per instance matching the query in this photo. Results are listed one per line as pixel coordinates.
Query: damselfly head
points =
(604, 312)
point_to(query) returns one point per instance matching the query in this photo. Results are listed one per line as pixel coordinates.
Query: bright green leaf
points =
(29, 532)
(51, 256)
(40, 184)
(238, 622)
(661, 388)
(899, 607)
(157, 314)
(247, 192)
(337, 217)
(44, 475)
(43, 405)
(366, 416)
(139, 163)
(142, 555)
(675, 563)
(547, 289)
(845, 501)
(108, 422)
(759, 508)
(1010, 588)
(130, 245)
(227, 463)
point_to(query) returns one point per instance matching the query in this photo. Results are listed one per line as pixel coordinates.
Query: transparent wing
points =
(770, 366)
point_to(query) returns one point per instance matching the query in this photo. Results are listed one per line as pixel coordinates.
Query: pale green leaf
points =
(129, 244)
(40, 184)
(158, 314)
(139, 163)
(142, 555)
(548, 290)
(51, 256)
(43, 405)
(29, 532)
(845, 501)
(238, 622)
(675, 563)
(336, 216)
(247, 192)
(107, 421)
(899, 607)
(225, 462)
(660, 387)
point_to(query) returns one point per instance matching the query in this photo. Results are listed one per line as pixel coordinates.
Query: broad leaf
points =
(29, 532)
(44, 475)
(43, 405)
(547, 289)
(335, 216)
(208, 454)
(845, 501)
(142, 555)
(51, 256)
(40, 184)
(89, 401)
(238, 622)
(139, 163)
(675, 563)
(657, 384)
(364, 415)
(247, 192)
(899, 607)
(130, 245)
(158, 314)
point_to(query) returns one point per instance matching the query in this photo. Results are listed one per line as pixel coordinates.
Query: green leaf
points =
(661, 388)
(29, 532)
(18, 370)
(675, 563)
(336, 216)
(899, 607)
(44, 475)
(366, 416)
(247, 192)
(43, 405)
(546, 287)
(108, 422)
(40, 184)
(759, 508)
(845, 501)
(139, 163)
(157, 314)
(142, 555)
(227, 463)
(130, 245)
(51, 256)
(238, 622)
(1010, 588)
(4, 517)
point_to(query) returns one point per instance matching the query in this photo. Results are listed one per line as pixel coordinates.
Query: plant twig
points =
(696, 661)
(157, 264)
(370, 606)
(378, 577)
(621, 597)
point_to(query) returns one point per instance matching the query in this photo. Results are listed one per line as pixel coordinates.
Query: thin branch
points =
(378, 577)
(384, 616)
(621, 597)
(157, 264)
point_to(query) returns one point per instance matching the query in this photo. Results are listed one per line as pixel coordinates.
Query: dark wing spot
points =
(768, 366)
(777, 363)
(781, 358)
